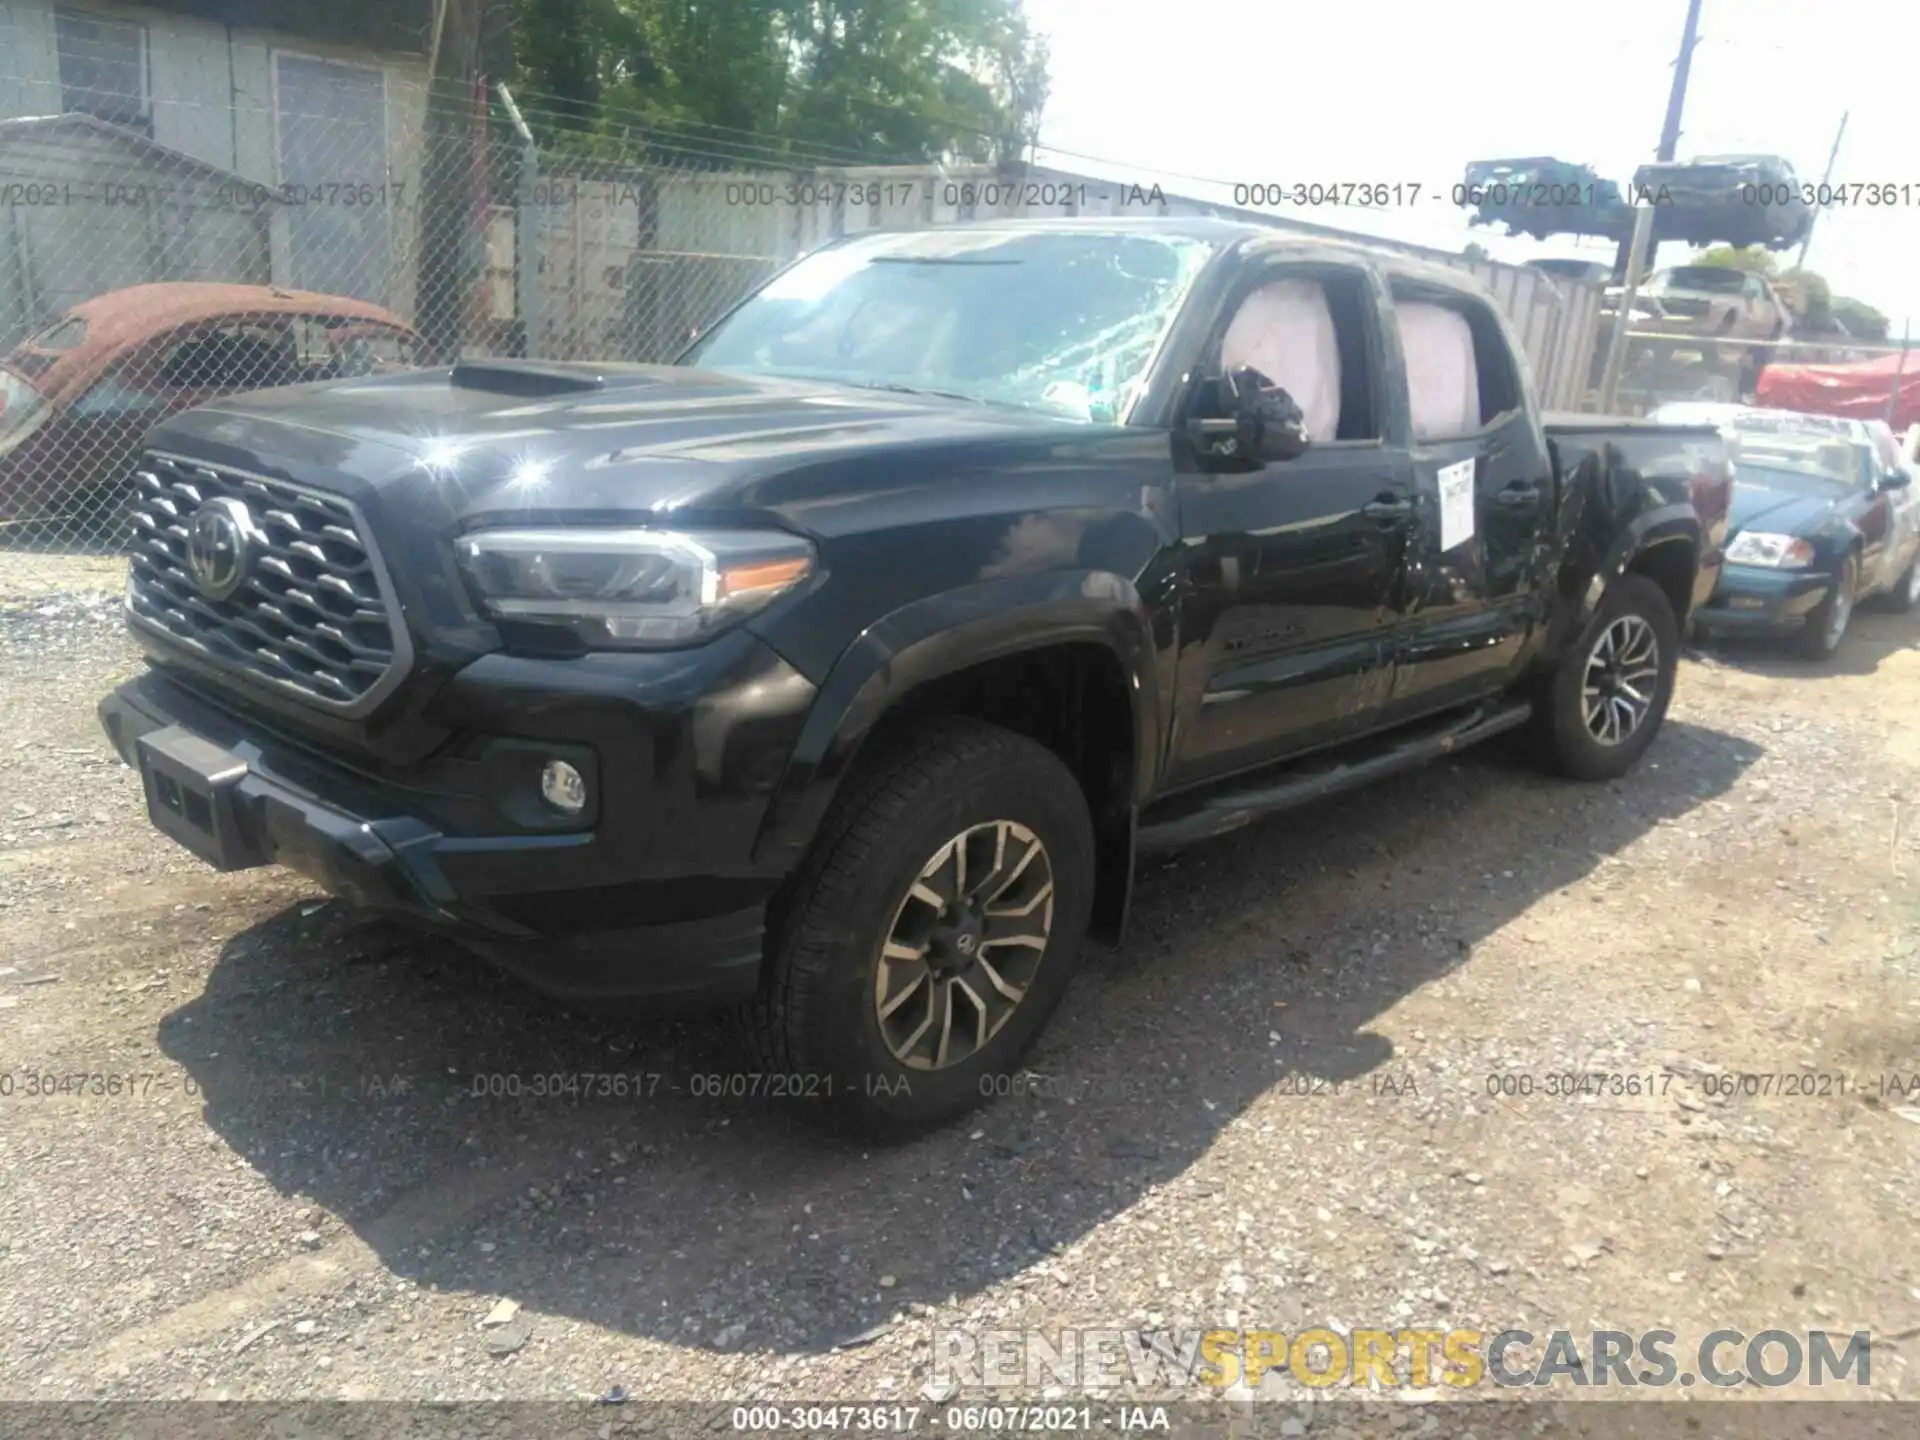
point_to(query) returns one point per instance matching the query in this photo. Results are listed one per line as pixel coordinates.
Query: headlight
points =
(1778, 552)
(632, 589)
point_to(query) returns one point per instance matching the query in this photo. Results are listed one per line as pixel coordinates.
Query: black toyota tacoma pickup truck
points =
(840, 672)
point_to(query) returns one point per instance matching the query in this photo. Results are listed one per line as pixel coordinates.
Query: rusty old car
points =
(79, 394)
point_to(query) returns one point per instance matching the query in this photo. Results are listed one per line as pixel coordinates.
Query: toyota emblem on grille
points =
(220, 546)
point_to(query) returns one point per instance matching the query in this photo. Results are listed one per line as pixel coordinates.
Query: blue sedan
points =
(1817, 526)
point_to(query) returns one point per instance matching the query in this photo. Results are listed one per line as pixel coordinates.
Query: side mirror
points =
(1895, 480)
(1258, 421)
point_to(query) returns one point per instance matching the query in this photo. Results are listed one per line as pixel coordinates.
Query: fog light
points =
(563, 787)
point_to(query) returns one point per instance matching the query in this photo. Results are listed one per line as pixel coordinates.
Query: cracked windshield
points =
(1063, 323)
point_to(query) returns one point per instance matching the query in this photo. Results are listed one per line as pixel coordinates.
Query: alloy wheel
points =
(1622, 676)
(965, 944)
(1839, 609)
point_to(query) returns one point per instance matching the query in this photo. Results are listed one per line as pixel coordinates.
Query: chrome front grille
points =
(313, 615)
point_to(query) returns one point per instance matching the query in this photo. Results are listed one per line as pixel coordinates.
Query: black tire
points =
(1822, 636)
(1564, 739)
(816, 1016)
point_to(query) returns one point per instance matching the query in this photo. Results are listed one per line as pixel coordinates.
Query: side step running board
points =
(1222, 811)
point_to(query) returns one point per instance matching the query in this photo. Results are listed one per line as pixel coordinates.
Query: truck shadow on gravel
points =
(396, 1084)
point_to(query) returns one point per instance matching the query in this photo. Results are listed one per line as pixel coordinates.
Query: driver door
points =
(1293, 567)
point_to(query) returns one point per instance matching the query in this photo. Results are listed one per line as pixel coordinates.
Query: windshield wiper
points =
(895, 387)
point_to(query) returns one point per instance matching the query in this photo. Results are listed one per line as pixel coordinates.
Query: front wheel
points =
(1827, 622)
(1606, 700)
(931, 932)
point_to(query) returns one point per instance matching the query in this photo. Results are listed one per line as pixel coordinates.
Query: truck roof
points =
(1225, 233)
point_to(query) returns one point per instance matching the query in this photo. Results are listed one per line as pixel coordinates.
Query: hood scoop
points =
(530, 379)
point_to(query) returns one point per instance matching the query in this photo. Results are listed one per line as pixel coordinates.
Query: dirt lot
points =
(1298, 1096)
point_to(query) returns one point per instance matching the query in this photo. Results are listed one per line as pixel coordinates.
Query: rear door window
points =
(235, 355)
(1460, 373)
(363, 350)
(58, 338)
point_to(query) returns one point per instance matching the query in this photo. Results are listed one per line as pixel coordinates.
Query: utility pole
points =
(1631, 261)
(448, 181)
(1677, 97)
(1826, 178)
(1676, 102)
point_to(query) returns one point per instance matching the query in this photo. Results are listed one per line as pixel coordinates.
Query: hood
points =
(1777, 512)
(495, 440)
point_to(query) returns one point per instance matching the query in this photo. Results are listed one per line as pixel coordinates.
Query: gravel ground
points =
(1273, 1108)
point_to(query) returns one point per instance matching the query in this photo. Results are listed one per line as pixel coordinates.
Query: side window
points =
(231, 356)
(312, 346)
(128, 386)
(114, 394)
(374, 352)
(1307, 333)
(103, 67)
(1460, 373)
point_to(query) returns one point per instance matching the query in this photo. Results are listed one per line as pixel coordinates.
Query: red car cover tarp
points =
(1856, 392)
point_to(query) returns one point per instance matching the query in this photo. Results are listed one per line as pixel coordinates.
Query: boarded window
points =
(103, 68)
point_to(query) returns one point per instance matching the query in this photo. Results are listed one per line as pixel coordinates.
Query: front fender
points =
(939, 636)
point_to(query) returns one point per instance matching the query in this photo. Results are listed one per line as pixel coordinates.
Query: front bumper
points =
(654, 897)
(1751, 599)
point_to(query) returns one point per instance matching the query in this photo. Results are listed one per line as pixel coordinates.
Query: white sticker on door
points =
(1456, 504)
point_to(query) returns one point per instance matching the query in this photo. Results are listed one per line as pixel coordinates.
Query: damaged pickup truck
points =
(840, 672)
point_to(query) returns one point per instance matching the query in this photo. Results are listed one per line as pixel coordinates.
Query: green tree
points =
(1809, 296)
(1815, 307)
(1753, 259)
(873, 80)
(1863, 322)
(563, 47)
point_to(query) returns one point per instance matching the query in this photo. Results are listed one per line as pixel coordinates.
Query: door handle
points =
(1518, 497)
(1387, 510)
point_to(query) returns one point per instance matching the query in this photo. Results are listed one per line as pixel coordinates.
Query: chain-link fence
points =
(307, 219)
(1667, 365)
(158, 254)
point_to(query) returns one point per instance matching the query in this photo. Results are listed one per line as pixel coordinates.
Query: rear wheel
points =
(1605, 702)
(931, 932)
(1827, 623)
(1906, 590)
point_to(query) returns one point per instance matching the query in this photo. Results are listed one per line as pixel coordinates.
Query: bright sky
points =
(1400, 90)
